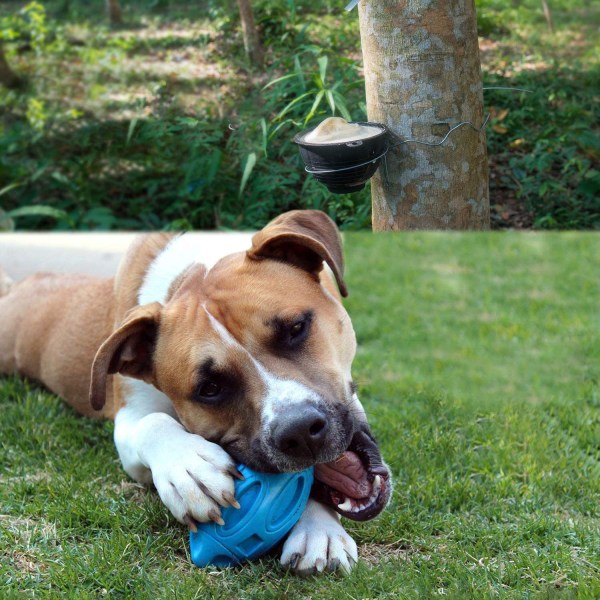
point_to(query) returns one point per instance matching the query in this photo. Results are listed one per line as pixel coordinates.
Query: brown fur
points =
(54, 328)
(51, 325)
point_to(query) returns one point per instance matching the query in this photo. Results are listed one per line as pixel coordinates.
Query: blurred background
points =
(155, 116)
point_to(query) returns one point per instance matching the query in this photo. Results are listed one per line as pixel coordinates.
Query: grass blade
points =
(323, 60)
(248, 168)
(10, 187)
(331, 101)
(315, 106)
(130, 130)
(291, 105)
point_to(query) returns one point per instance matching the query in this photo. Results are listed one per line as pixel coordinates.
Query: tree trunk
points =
(422, 76)
(8, 78)
(548, 15)
(114, 12)
(252, 44)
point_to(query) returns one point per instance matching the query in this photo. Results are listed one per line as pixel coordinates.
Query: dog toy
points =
(270, 505)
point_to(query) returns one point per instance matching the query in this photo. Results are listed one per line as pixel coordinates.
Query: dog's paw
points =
(318, 543)
(194, 478)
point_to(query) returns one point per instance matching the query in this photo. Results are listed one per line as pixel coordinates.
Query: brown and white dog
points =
(205, 361)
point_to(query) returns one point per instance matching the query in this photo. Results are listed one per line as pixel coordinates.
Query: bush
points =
(547, 153)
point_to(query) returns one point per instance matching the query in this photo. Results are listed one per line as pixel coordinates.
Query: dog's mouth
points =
(358, 483)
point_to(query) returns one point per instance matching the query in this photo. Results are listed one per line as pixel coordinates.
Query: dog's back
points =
(51, 325)
(34, 316)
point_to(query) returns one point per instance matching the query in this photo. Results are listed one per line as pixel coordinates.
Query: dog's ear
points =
(304, 238)
(127, 351)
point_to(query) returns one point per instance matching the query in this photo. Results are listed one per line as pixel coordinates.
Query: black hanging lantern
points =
(344, 166)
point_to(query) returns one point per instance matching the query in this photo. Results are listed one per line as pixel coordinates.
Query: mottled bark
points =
(113, 9)
(252, 45)
(8, 78)
(422, 76)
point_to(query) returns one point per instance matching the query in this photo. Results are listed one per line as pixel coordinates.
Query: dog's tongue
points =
(346, 474)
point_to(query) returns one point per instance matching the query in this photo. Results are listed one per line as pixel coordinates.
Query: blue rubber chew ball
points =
(270, 505)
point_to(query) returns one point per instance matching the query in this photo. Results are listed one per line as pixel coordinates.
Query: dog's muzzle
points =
(355, 482)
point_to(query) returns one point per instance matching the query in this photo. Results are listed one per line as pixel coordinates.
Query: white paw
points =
(192, 476)
(318, 543)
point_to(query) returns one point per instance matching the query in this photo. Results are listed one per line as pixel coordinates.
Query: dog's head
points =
(255, 355)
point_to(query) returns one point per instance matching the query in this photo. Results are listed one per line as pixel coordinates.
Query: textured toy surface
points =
(270, 505)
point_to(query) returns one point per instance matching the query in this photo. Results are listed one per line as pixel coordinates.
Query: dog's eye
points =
(216, 387)
(297, 333)
(290, 335)
(209, 389)
(297, 329)
(210, 393)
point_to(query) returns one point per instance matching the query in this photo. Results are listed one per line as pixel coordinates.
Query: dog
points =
(207, 359)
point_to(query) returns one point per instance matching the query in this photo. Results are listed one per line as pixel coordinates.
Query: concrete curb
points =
(22, 254)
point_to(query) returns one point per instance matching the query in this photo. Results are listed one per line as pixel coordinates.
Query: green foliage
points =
(155, 125)
(27, 24)
(548, 154)
(308, 97)
(164, 168)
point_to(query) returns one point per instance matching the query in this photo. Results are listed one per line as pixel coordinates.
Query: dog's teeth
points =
(376, 483)
(346, 505)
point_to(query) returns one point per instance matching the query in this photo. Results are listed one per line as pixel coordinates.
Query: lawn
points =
(154, 125)
(479, 366)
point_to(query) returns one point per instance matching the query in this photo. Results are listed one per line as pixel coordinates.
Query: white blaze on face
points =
(336, 130)
(279, 393)
(357, 409)
(185, 250)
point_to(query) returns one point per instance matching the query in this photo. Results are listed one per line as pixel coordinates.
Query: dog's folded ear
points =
(128, 351)
(304, 238)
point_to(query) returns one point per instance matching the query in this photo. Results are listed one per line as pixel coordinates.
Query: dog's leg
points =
(319, 542)
(193, 476)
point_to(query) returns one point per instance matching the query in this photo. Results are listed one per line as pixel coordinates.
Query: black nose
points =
(301, 431)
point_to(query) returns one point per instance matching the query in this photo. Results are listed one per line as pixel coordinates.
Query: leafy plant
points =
(309, 92)
(148, 128)
(548, 155)
(29, 24)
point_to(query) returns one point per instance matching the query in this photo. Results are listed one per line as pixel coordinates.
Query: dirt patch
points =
(38, 477)
(24, 528)
(375, 554)
(133, 492)
(25, 563)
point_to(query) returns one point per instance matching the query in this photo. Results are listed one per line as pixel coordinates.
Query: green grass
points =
(479, 366)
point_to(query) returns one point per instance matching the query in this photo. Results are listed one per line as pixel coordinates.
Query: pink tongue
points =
(346, 475)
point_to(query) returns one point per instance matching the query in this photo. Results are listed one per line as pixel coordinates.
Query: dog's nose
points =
(301, 431)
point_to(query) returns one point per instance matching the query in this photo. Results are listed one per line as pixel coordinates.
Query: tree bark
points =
(422, 76)
(8, 77)
(113, 9)
(252, 44)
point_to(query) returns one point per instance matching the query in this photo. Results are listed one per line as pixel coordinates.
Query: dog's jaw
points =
(358, 485)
